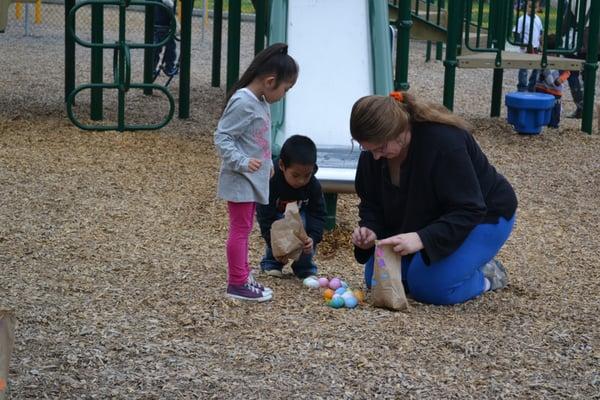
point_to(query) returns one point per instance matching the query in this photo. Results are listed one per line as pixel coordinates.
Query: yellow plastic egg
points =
(360, 296)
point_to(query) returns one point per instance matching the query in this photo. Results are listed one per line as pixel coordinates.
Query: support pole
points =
(97, 61)
(233, 42)
(149, 53)
(590, 67)
(69, 52)
(187, 7)
(330, 209)
(403, 24)
(454, 28)
(217, 34)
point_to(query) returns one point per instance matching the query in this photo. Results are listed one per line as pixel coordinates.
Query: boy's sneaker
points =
(273, 272)
(247, 292)
(253, 282)
(495, 272)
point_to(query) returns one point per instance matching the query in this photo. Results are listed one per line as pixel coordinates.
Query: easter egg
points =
(344, 284)
(328, 294)
(350, 302)
(335, 283)
(336, 302)
(340, 290)
(360, 296)
(323, 282)
(311, 282)
(347, 294)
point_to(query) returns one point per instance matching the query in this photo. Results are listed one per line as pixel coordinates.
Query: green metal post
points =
(501, 21)
(187, 7)
(428, 51)
(590, 67)
(260, 25)
(97, 61)
(439, 51)
(233, 42)
(330, 208)
(149, 53)
(439, 46)
(122, 88)
(217, 34)
(453, 41)
(69, 52)
(404, 23)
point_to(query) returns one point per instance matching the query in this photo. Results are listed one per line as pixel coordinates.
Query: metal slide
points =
(343, 49)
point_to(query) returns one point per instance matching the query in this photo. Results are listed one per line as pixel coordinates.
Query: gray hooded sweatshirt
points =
(244, 132)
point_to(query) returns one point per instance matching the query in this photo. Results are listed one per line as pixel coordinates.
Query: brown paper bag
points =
(7, 339)
(386, 286)
(287, 234)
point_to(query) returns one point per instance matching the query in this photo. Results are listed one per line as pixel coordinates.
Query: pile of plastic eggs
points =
(336, 292)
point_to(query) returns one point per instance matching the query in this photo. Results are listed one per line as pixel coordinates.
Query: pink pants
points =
(241, 218)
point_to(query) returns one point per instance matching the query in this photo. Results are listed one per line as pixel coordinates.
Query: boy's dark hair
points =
(272, 60)
(298, 149)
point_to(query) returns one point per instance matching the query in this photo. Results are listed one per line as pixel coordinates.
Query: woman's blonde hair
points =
(377, 119)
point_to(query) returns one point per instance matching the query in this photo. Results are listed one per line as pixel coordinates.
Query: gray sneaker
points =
(253, 282)
(495, 272)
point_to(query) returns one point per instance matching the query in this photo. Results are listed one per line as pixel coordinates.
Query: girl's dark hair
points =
(298, 149)
(274, 60)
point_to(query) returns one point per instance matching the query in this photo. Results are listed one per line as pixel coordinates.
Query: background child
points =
(243, 140)
(162, 24)
(551, 81)
(531, 42)
(294, 181)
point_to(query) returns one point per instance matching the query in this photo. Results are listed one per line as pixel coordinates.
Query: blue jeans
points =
(302, 268)
(525, 84)
(555, 114)
(458, 277)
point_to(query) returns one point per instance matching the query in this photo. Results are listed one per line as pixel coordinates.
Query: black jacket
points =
(447, 187)
(310, 201)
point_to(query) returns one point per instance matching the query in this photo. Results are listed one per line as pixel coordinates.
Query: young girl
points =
(243, 140)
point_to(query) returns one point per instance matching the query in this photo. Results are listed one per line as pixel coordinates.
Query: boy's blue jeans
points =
(458, 277)
(302, 268)
(526, 84)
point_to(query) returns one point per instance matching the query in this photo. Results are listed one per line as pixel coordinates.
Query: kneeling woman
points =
(426, 187)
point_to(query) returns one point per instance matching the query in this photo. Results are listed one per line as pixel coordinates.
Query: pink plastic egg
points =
(323, 282)
(335, 283)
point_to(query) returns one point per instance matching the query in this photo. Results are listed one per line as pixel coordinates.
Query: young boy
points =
(551, 81)
(294, 181)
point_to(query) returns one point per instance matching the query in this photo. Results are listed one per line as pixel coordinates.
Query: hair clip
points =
(398, 96)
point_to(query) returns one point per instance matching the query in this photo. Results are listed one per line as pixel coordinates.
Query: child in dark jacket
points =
(294, 181)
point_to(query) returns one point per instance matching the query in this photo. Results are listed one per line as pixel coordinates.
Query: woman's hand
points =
(363, 238)
(254, 164)
(404, 243)
(308, 245)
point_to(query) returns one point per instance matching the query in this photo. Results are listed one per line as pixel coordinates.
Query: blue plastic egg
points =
(340, 290)
(350, 302)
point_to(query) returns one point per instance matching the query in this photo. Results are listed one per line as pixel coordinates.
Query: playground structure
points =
(475, 33)
(463, 29)
(478, 27)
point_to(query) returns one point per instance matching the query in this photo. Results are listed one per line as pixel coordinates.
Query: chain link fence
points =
(47, 19)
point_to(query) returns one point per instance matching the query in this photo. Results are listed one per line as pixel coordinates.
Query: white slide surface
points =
(330, 40)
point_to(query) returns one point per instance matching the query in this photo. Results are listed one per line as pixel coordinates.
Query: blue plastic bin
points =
(529, 112)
